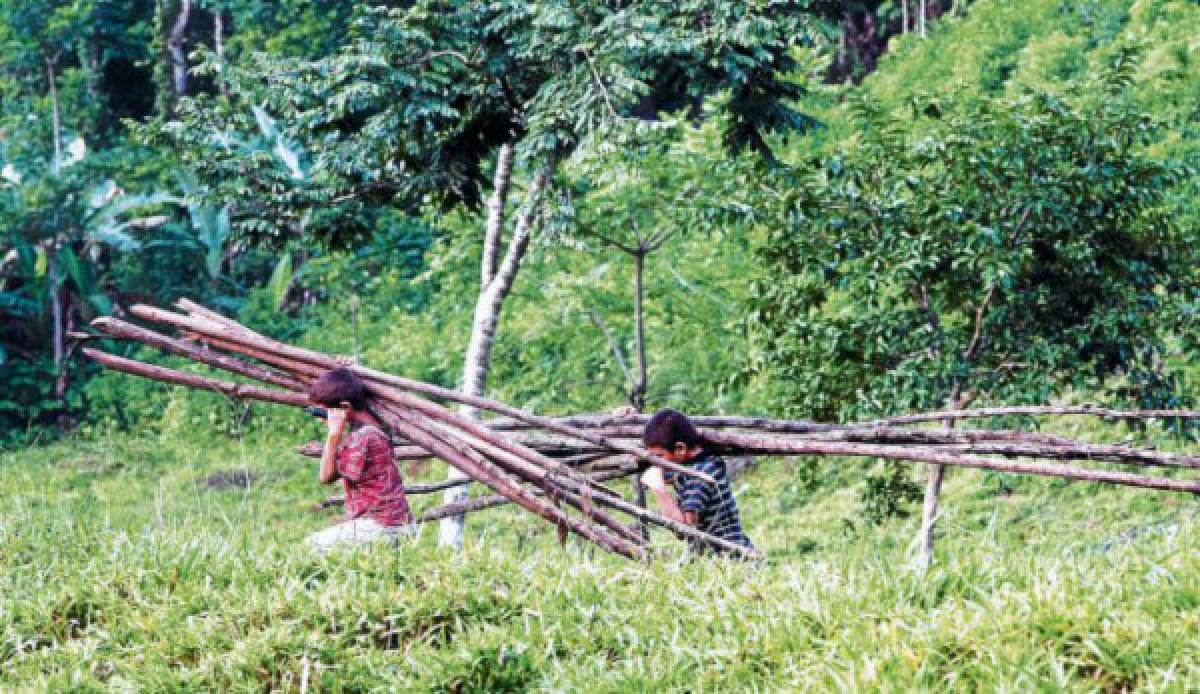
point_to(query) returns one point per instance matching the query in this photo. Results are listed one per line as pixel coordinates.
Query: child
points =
(710, 508)
(376, 506)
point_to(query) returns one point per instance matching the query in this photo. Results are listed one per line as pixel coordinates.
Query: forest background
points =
(832, 211)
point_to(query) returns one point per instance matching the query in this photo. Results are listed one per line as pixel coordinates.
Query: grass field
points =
(148, 563)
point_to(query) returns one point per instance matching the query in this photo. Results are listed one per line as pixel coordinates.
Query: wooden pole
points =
(1035, 411)
(160, 373)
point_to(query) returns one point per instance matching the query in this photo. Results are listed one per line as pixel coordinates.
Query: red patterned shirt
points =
(373, 485)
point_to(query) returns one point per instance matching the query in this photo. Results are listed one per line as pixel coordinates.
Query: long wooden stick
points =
(1094, 452)
(602, 421)
(122, 330)
(421, 488)
(1032, 411)
(161, 373)
(927, 455)
(986, 442)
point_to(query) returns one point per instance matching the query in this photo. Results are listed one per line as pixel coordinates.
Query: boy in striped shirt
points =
(708, 507)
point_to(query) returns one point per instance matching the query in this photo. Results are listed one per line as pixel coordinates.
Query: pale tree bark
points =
(492, 293)
(903, 16)
(933, 495)
(495, 220)
(179, 68)
(921, 15)
(219, 45)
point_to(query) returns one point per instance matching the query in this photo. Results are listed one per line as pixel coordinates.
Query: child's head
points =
(338, 386)
(669, 434)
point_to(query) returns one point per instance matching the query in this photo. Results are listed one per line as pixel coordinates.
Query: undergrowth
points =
(126, 567)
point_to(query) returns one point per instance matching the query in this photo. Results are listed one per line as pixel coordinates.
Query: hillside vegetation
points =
(156, 545)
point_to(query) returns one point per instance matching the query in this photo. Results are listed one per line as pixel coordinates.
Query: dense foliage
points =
(1002, 250)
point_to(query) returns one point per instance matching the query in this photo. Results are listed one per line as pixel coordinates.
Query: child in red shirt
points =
(376, 506)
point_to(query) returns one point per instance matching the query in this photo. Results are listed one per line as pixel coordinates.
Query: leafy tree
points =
(1007, 250)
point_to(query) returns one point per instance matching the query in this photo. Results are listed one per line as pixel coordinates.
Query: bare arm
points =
(337, 426)
(653, 479)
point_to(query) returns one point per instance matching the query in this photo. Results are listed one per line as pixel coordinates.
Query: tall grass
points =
(129, 566)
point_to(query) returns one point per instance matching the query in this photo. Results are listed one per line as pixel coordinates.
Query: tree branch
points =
(612, 342)
(921, 295)
(971, 351)
(495, 218)
(656, 240)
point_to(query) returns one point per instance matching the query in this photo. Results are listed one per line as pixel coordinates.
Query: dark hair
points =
(669, 427)
(339, 385)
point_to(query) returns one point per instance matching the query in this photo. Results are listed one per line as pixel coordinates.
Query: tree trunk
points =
(921, 15)
(56, 314)
(219, 45)
(492, 292)
(933, 494)
(638, 396)
(179, 68)
(55, 122)
(903, 16)
(495, 221)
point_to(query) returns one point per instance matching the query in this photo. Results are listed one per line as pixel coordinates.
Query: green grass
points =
(124, 569)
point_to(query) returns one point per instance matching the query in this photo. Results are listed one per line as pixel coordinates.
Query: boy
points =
(376, 506)
(710, 508)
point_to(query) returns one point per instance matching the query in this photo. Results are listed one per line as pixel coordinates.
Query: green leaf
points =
(280, 282)
(101, 303)
(115, 235)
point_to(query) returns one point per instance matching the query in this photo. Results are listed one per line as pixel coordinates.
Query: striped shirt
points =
(715, 508)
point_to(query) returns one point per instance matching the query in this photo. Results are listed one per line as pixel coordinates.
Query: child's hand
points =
(336, 421)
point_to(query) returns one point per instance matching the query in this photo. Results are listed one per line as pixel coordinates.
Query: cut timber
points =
(1035, 411)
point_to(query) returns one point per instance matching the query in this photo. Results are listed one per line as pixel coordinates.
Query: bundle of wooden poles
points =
(520, 474)
(545, 464)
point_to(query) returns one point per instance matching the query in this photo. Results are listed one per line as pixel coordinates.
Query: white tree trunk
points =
(495, 221)
(219, 45)
(179, 69)
(933, 492)
(492, 293)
